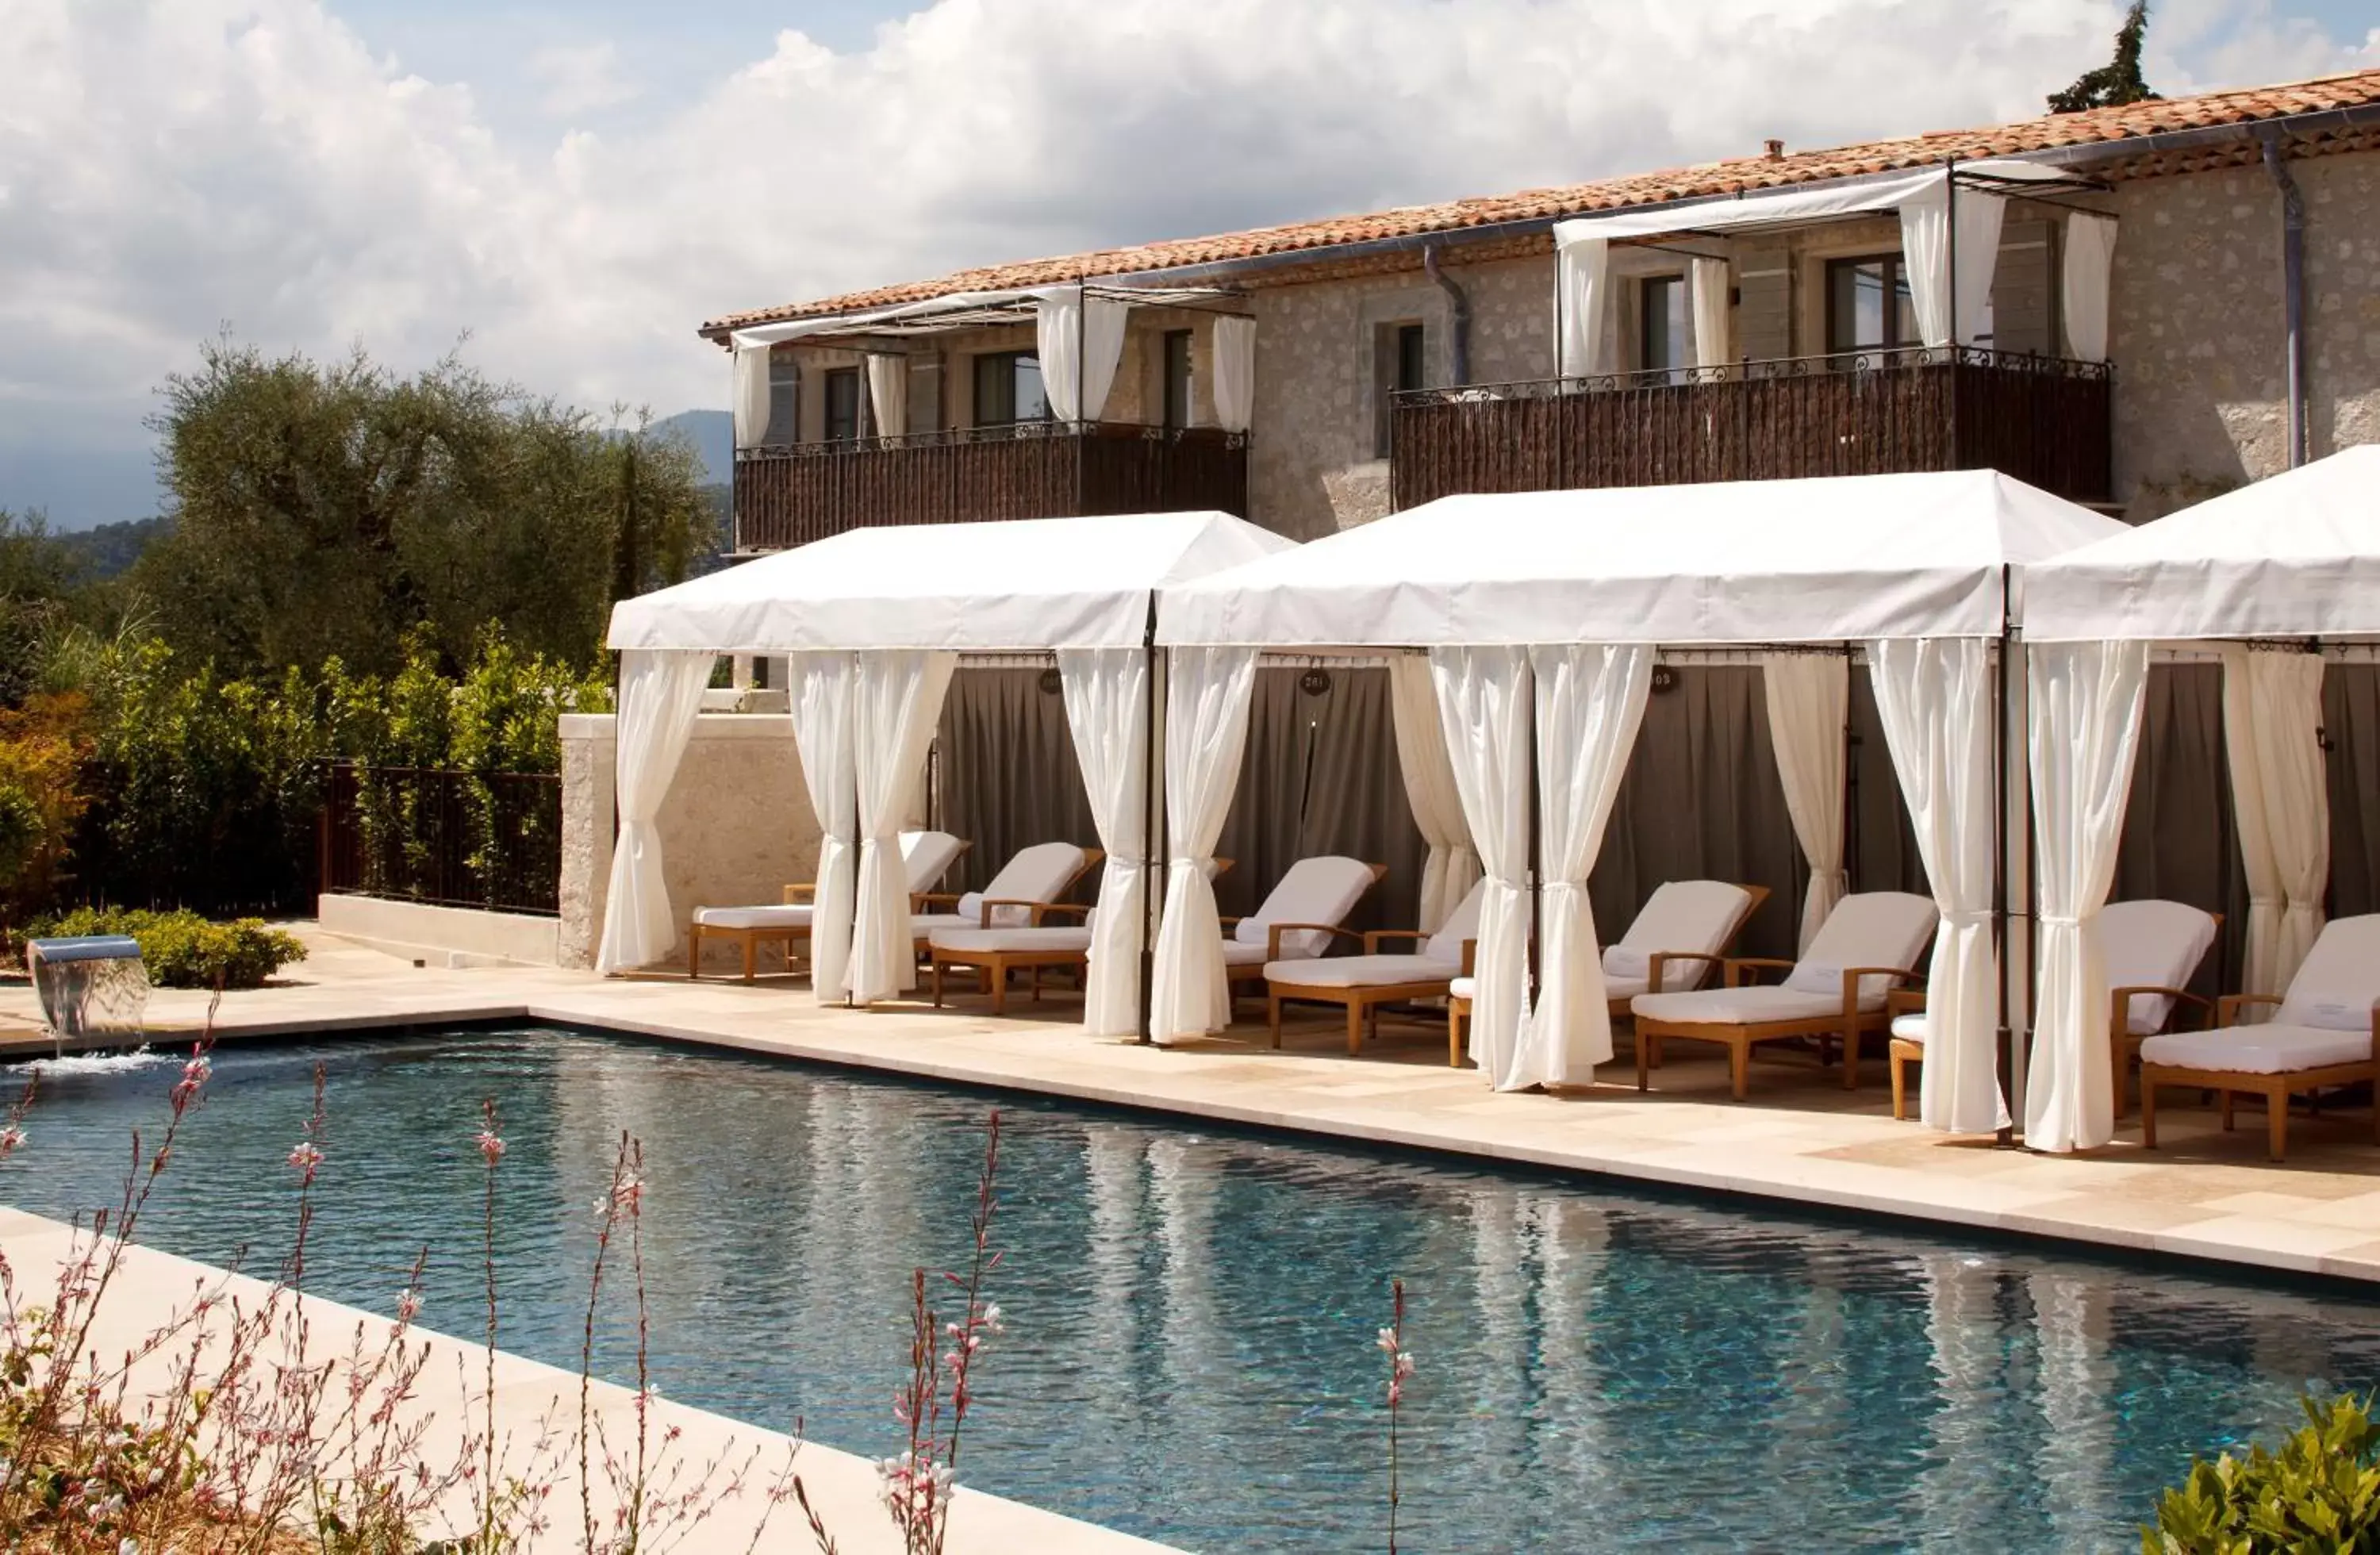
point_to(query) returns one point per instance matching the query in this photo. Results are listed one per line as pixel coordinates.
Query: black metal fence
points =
(2043, 420)
(451, 839)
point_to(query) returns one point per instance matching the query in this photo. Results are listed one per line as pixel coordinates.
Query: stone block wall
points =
(2197, 329)
(735, 827)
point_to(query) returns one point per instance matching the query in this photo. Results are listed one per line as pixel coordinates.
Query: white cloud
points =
(168, 165)
(580, 78)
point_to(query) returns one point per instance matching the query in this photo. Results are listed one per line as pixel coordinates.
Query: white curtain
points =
(1107, 708)
(1483, 700)
(888, 393)
(1809, 708)
(896, 706)
(1451, 868)
(2086, 723)
(1235, 372)
(750, 396)
(1935, 695)
(2272, 728)
(1207, 695)
(2090, 257)
(661, 692)
(1583, 277)
(1926, 249)
(820, 687)
(1590, 703)
(1710, 298)
(1080, 339)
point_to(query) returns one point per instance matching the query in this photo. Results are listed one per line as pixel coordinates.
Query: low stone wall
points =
(735, 827)
(446, 936)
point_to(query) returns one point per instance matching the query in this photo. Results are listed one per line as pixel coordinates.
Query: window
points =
(1402, 354)
(1662, 346)
(1008, 389)
(1177, 379)
(1868, 305)
(785, 399)
(842, 405)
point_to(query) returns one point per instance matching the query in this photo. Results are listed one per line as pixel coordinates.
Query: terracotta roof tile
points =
(2095, 127)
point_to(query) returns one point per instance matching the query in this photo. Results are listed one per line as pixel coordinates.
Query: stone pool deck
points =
(1801, 1138)
(535, 1420)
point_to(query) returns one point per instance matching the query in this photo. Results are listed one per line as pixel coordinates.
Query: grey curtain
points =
(1006, 775)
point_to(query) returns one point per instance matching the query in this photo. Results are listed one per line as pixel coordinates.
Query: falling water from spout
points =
(91, 985)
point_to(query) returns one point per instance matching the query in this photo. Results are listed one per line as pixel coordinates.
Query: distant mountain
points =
(714, 433)
(106, 551)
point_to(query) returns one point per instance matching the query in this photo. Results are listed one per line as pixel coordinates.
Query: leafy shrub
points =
(184, 950)
(2320, 1492)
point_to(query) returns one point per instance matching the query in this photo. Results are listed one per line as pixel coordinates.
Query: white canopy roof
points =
(1801, 204)
(2294, 555)
(1845, 558)
(1036, 583)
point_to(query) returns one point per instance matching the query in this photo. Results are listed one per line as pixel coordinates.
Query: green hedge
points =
(2320, 1492)
(184, 950)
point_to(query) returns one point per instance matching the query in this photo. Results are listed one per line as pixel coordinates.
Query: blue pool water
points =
(1191, 1314)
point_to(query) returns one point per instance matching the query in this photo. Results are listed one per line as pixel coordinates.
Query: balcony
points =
(2045, 421)
(791, 495)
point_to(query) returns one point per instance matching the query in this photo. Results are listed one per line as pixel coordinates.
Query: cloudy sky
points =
(574, 183)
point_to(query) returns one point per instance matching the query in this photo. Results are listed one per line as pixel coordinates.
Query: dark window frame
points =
(784, 424)
(1895, 275)
(1005, 376)
(839, 382)
(1649, 320)
(1176, 369)
(1400, 362)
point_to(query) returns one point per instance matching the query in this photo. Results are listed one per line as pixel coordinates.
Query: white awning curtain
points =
(1926, 247)
(952, 310)
(1590, 705)
(821, 688)
(660, 693)
(896, 704)
(1107, 695)
(2296, 554)
(1709, 298)
(1235, 372)
(1801, 202)
(1207, 692)
(1080, 338)
(888, 393)
(1483, 697)
(1845, 558)
(2086, 721)
(1934, 698)
(2085, 277)
(1027, 585)
(750, 395)
(2272, 731)
(1452, 867)
(1808, 697)
(1583, 284)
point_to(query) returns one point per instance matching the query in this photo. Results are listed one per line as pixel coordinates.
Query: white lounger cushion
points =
(2153, 945)
(1872, 929)
(1323, 889)
(1682, 916)
(1910, 1027)
(1741, 1006)
(793, 916)
(1361, 971)
(1036, 874)
(1054, 937)
(927, 857)
(1464, 988)
(1238, 954)
(1441, 957)
(2340, 981)
(2259, 1050)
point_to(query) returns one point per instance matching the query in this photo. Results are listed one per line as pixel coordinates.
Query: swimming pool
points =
(1191, 1312)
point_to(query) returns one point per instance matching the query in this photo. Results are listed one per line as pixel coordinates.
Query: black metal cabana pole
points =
(2005, 1049)
(1152, 855)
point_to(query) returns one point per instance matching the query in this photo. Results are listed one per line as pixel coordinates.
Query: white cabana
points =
(874, 619)
(2294, 557)
(1914, 569)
